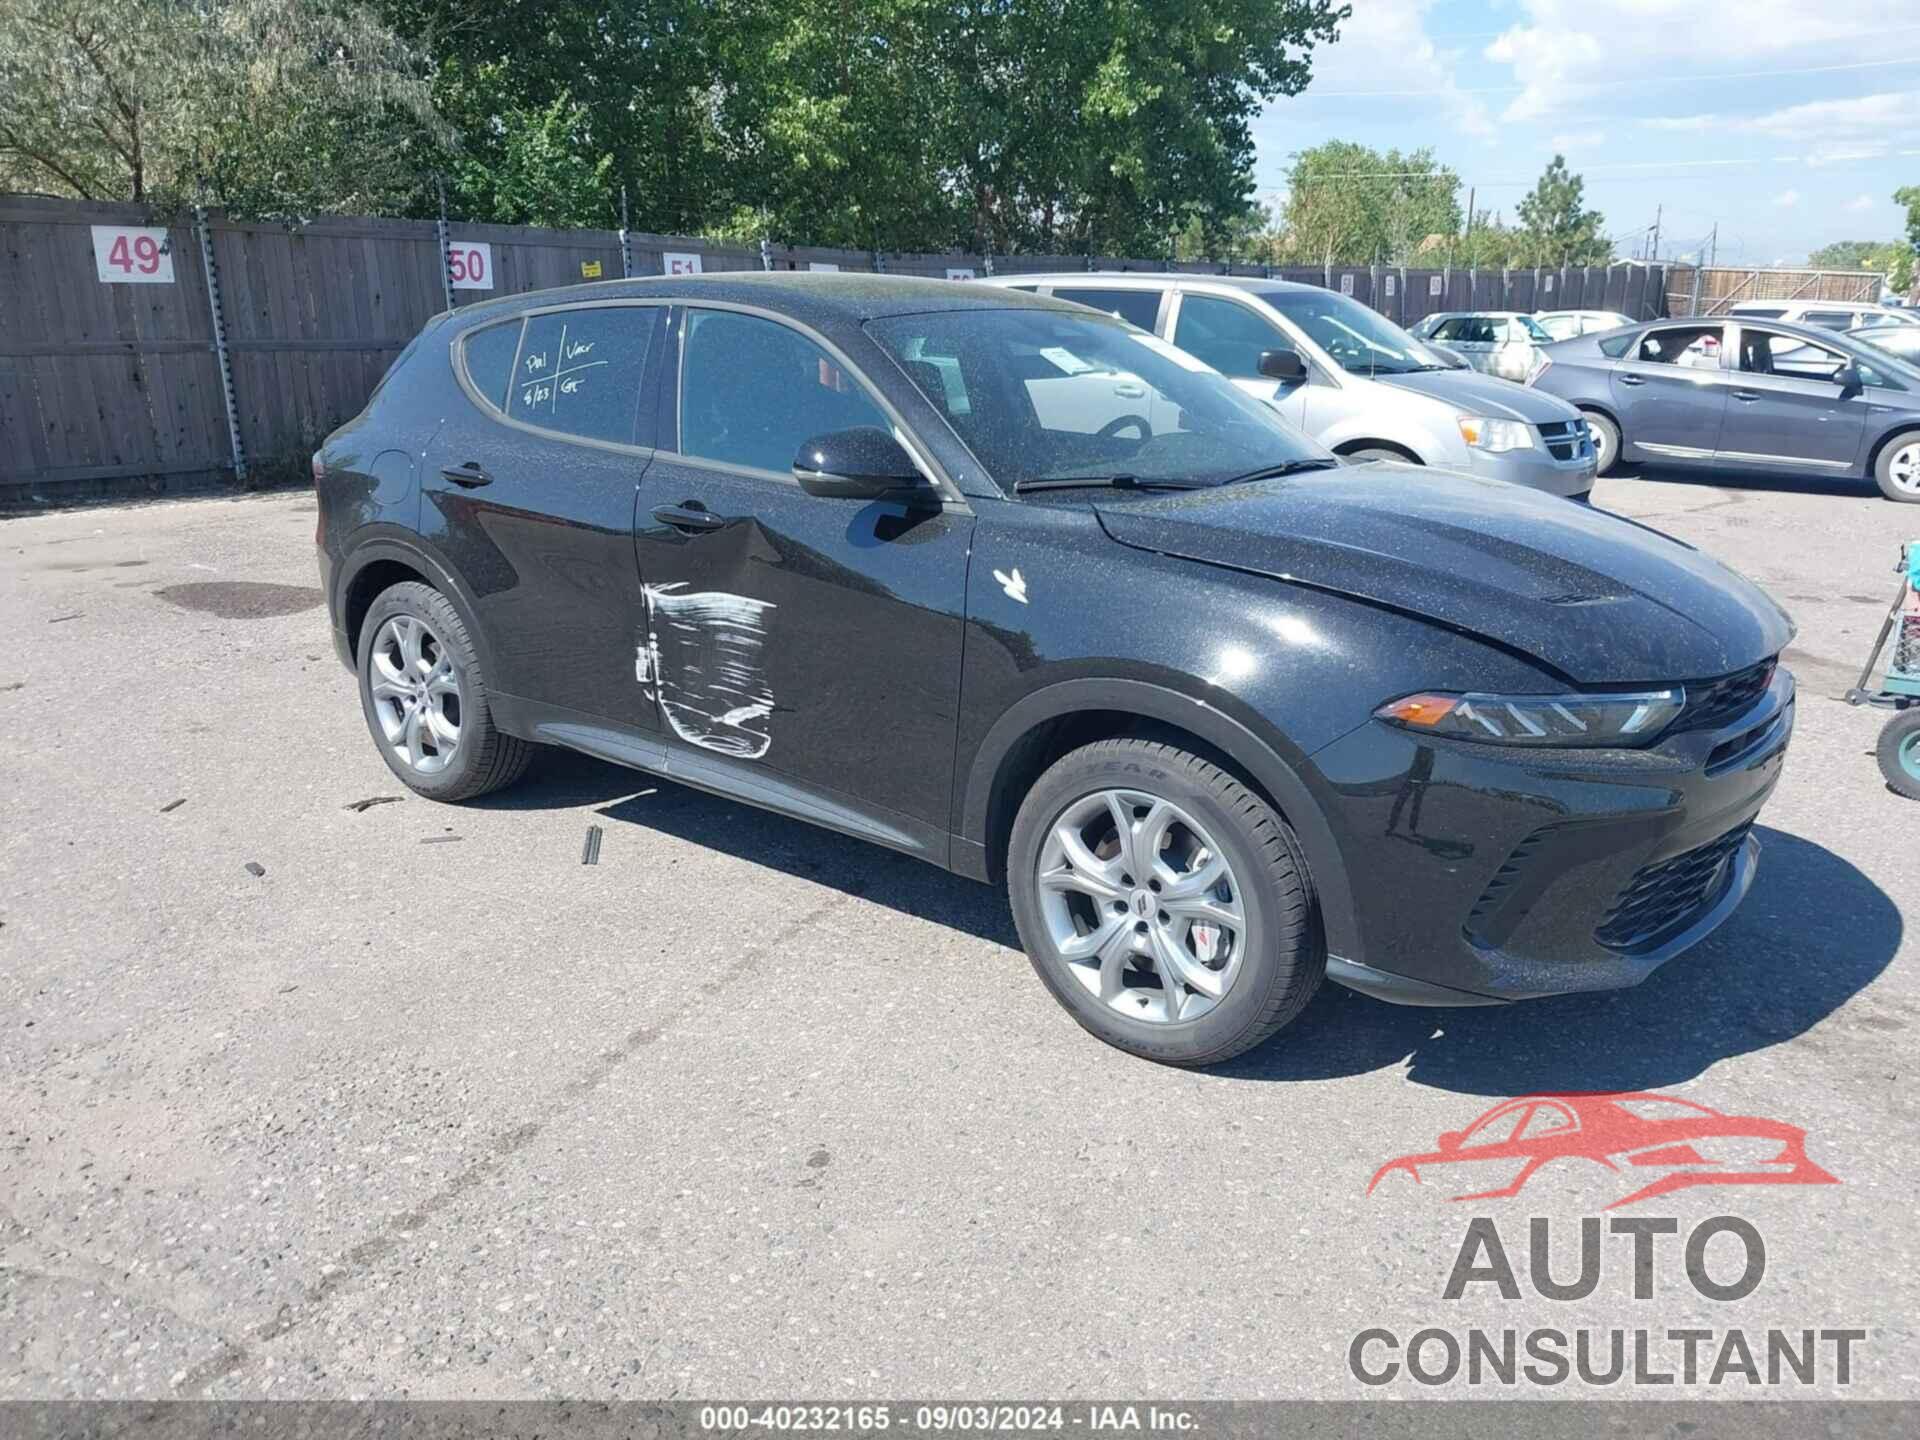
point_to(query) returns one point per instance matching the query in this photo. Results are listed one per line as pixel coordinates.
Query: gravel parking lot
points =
(429, 1108)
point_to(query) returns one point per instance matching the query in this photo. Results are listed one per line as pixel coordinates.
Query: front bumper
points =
(1518, 874)
(1536, 468)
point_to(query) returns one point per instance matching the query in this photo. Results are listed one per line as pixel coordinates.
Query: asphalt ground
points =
(428, 1108)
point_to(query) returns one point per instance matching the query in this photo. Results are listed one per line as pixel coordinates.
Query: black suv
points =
(1029, 593)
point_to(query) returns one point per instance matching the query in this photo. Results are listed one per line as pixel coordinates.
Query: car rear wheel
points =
(425, 701)
(1897, 471)
(1163, 902)
(1606, 441)
(1899, 754)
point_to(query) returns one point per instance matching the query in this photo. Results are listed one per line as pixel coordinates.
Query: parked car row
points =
(1346, 375)
(1035, 594)
(1773, 396)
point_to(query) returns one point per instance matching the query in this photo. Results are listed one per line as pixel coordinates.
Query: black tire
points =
(486, 758)
(1378, 452)
(1606, 442)
(1899, 754)
(1276, 980)
(1903, 491)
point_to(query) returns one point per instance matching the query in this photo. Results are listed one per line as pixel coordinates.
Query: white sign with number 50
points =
(470, 264)
(132, 255)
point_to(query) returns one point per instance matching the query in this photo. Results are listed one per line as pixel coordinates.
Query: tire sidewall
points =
(1609, 459)
(1897, 734)
(432, 607)
(1883, 468)
(1273, 965)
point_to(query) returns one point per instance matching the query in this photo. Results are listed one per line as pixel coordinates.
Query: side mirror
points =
(1283, 365)
(864, 463)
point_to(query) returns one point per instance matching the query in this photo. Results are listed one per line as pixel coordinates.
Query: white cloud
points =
(1576, 142)
(1384, 45)
(1787, 199)
(1861, 202)
(1565, 52)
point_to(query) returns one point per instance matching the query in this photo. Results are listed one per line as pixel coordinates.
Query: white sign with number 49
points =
(132, 255)
(470, 264)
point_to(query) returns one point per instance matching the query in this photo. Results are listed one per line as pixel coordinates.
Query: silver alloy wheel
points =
(1142, 906)
(416, 694)
(1903, 470)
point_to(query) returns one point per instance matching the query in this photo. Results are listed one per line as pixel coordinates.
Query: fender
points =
(1276, 775)
(1375, 428)
(388, 542)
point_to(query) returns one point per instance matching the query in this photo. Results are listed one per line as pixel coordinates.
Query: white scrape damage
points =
(704, 662)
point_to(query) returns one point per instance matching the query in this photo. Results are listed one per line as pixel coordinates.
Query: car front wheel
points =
(1897, 471)
(1606, 441)
(1164, 903)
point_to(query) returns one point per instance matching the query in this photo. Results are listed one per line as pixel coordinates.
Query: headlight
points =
(1539, 719)
(1483, 432)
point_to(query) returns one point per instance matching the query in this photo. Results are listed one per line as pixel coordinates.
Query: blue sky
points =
(1681, 104)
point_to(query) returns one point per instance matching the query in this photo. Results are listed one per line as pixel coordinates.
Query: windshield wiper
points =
(1288, 467)
(1111, 482)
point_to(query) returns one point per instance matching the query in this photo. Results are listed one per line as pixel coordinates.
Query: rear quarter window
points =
(487, 354)
(579, 372)
(1616, 345)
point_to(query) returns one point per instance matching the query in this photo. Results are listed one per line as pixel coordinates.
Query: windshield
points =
(1360, 340)
(1042, 395)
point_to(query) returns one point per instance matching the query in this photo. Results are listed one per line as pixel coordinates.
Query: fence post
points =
(442, 239)
(219, 314)
(626, 246)
(1693, 304)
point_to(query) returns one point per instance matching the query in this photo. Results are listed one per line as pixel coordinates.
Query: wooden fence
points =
(111, 386)
(1712, 290)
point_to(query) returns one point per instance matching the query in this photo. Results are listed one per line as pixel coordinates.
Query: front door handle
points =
(1633, 380)
(472, 475)
(1746, 394)
(687, 517)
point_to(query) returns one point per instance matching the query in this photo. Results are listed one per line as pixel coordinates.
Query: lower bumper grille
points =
(1664, 896)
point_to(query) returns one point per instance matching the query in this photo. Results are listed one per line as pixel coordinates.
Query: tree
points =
(1909, 196)
(1843, 255)
(1350, 204)
(1891, 258)
(1556, 228)
(267, 107)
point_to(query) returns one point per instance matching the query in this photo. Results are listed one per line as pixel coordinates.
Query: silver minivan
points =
(1345, 374)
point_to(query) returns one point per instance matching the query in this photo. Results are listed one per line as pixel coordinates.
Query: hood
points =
(1476, 394)
(1597, 598)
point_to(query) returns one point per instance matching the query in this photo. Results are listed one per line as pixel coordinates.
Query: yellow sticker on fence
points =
(589, 269)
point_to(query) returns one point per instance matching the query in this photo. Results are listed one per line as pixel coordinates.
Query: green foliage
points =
(1348, 204)
(265, 107)
(1891, 258)
(1909, 196)
(1555, 226)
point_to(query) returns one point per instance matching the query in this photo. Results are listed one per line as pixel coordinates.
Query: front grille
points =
(1563, 438)
(1714, 703)
(1662, 897)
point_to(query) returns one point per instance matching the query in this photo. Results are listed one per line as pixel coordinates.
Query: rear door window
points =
(1691, 345)
(1136, 307)
(579, 372)
(1829, 319)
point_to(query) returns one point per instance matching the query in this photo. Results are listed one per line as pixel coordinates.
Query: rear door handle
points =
(686, 517)
(472, 475)
(1746, 394)
(1633, 380)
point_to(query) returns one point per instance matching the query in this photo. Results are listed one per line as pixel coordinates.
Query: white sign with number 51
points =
(470, 264)
(132, 255)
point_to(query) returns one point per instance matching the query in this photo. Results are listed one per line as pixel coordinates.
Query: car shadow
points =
(1812, 934)
(565, 780)
(1858, 487)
